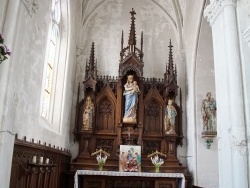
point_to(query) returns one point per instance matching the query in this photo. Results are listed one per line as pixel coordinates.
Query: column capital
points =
(214, 9)
(31, 6)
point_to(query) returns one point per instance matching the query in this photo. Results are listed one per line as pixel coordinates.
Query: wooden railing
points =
(36, 165)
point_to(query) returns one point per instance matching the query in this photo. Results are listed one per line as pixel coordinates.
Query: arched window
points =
(51, 62)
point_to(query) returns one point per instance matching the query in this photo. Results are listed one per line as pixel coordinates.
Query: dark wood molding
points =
(48, 170)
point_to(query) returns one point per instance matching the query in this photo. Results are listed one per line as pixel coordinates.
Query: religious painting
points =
(130, 158)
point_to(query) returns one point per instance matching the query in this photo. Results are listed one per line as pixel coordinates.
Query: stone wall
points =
(25, 29)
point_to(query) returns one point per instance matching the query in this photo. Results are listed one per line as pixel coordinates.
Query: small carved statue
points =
(131, 93)
(208, 110)
(88, 114)
(169, 119)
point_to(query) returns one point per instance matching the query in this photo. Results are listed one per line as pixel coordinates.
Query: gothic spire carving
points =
(131, 57)
(91, 69)
(141, 54)
(170, 69)
(170, 77)
(132, 34)
(86, 69)
(122, 39)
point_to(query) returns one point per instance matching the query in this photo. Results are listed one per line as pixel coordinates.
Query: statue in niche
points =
(169, 119)
(131, 93)
(208, 110)
(88, 113)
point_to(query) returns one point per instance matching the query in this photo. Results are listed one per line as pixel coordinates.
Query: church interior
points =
(124, 93)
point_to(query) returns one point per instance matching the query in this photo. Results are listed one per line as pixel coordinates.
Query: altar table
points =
(159, 177)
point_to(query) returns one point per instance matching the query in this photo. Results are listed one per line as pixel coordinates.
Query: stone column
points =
(8, 26)
(180, 62)
(3, 7)
(232, 146)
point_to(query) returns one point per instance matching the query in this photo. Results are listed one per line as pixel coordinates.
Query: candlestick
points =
(41, 160)
(34, 159)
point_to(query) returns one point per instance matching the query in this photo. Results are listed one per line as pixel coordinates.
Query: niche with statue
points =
(208, 110)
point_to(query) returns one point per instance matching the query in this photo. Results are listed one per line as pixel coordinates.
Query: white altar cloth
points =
(139, 174)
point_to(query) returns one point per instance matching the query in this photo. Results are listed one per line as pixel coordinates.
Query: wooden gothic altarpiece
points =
(105, 128)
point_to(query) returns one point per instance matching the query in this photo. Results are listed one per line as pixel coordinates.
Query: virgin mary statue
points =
(131, 93)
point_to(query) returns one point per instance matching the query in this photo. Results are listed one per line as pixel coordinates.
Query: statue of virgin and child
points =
(131, 92)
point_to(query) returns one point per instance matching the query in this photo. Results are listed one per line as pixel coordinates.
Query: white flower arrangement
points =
(101, 160)
(157, 162)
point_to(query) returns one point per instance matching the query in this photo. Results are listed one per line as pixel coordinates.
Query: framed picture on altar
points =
(130, 158)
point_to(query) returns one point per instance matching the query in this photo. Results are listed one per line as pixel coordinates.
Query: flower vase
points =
(157, 168)
(100, 167)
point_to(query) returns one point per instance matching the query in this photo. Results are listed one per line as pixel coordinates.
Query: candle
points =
(47, 161)
(41, 160)
(34, 159)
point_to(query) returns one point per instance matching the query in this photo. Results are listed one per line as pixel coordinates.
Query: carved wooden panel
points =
(128, 182)
(166, 184)
(25, 173)
(129, 141)
(105, 115)
(153, 112)
(149, 146)
(153, 117)
(94, 183)
(105, 144)
(103, 80)
(150, 82)
(80, 120)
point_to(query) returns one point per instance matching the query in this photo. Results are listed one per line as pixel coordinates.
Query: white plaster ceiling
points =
(89, 6)
(182, 6)
(104, 20)
(167, 5)
(173, 9)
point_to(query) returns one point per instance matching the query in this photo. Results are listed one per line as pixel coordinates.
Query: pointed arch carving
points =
(105, 110)
(153, 112)
(131, 63)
